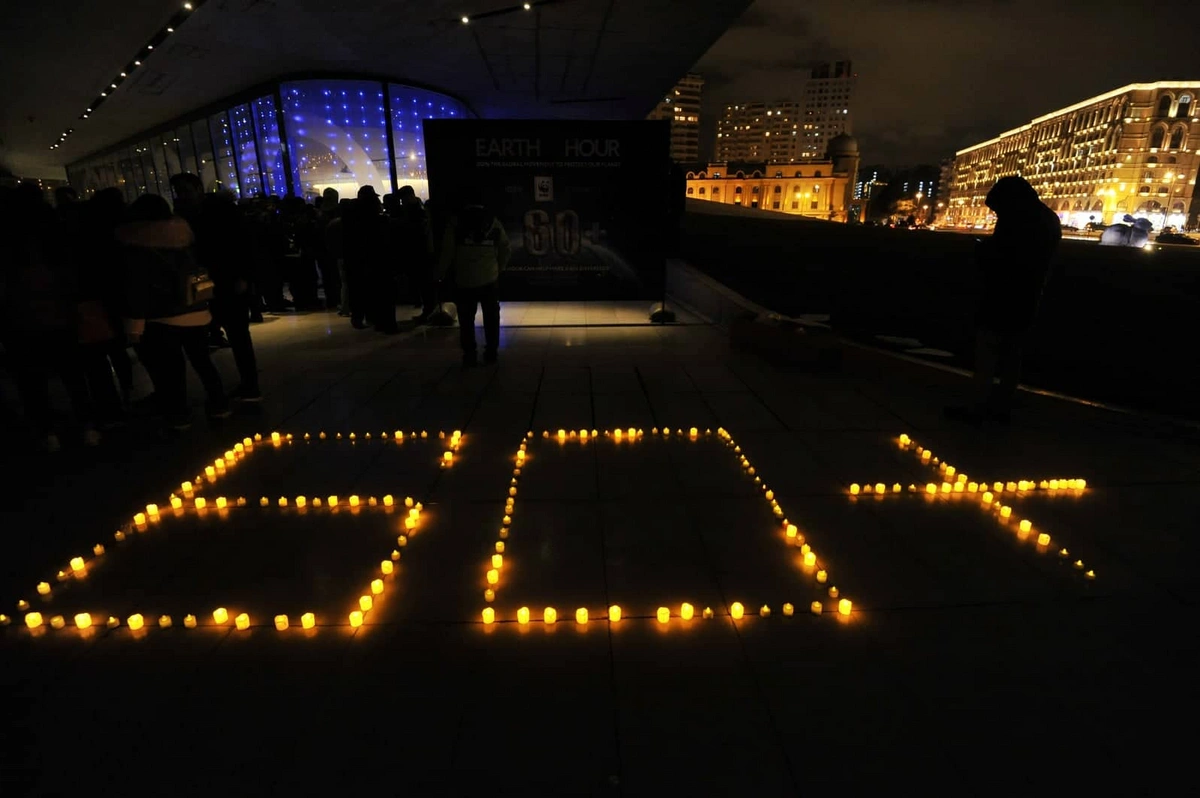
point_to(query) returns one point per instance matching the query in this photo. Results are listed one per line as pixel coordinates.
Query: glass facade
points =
(336, 133)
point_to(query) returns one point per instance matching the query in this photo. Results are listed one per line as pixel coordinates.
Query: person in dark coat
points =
(223, 248)
(370, 274)
(1014, 267)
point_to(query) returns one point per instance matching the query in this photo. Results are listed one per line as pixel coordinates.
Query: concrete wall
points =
(1117, 324)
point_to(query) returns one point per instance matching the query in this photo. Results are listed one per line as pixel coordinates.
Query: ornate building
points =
(1128, 151)
(820, 189)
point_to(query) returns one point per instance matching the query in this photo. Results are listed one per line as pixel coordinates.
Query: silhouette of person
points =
(1014, 267)
(475, 249)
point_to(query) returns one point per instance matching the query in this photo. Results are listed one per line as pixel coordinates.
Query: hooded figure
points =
(1014, 266)
(1015, 261)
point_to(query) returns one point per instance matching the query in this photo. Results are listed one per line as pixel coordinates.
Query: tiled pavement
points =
(973, 662)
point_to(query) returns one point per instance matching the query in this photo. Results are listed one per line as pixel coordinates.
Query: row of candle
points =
(496, 559)
(987, 494)
(791, 533)
(619, 434)
(663, 615)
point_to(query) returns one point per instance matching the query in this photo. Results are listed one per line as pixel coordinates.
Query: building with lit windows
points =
(788, 131)
(681, 107)
(828, 101)
(1130, 151)
(757, 131)
(819, 189)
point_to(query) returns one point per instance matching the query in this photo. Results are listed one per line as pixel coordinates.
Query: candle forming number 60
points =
(541, 237)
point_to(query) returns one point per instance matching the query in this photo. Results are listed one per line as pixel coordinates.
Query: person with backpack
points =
(475, 249)
(166, 308)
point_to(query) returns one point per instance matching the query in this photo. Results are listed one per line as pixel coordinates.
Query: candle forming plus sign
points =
(954, 485)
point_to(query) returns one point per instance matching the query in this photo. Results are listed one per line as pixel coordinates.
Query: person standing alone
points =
(475, 249)
(1014, 266)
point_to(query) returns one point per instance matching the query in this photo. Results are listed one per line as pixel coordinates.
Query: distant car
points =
(1176, 238)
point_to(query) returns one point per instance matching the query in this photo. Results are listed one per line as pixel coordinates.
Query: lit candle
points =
(663, 615)
(880, 487)
(22, 605)
(523, 615)
(686, 611)
(764, 611)
(388, 500)
(1025, 525)
(822, 576)
(222, 502)
(308, 620)
(332, 501)
(176, 503)
(275, 437)
(402, 541)
(139, 519)
(949, 470)
(708, 613)
(263, 501)
(736, 610)
(189, 621)
(499, 546)
(200, 503)
(356, 619)
(550, 616)
(815, 608)
(810, 559)
(186, 487)
(489, 595)
(896, 487)
(987, 497)
(135, 621)
(164, 622)
(283, 502)
(614, 612)
(1005, 511)
(489, 616)
(354, 501)
(497, 561)
(83, 620)
(365, 603)
(98, 550)
(43, 588)
(792, 531)
(377, 585)
(386, 566)
(1043, 539)
(844, 606)
(931, 488)
(210, 472)
(281, 622)
(1090, 574)
(788, 610)
(493, 576)
(395, 555)
(693, 432)
(242, 621)
(904, 439)
(581, 615)
(77, 564)
(221, 615)
(57, 622)
(972, 487)
(833, 591)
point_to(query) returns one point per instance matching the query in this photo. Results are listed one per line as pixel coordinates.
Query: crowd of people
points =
(85, 283)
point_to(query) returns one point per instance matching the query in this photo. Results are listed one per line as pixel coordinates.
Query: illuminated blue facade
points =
(295, 137)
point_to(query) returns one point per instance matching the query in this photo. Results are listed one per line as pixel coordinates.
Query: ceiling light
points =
(149, 46)
(528, 6)
(170, 30)
(137, 63)
(465, 20)
(103, 94)
(85, 116)
(113, 86)
(123, 75)
(187, 6)
(89, 110)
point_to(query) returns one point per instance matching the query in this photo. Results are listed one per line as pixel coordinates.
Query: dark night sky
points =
(938, 75)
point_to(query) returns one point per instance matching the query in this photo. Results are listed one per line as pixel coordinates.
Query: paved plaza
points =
(907, 634)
